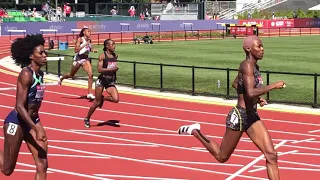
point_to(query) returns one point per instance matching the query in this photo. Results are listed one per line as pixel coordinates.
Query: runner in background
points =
(81, 59)
(107, 67)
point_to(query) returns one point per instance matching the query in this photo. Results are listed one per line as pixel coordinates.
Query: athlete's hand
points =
(279, 85)
(115, 68)
(95, 50)
(40, 135)
(262, 102)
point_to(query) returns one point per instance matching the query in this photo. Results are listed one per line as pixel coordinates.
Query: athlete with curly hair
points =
(23, 122)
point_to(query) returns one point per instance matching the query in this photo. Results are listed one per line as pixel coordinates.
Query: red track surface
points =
(147, 145)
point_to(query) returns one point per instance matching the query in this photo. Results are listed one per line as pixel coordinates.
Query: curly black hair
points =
(22, 48)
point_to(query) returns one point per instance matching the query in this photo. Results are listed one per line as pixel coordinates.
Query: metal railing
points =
(303, 88)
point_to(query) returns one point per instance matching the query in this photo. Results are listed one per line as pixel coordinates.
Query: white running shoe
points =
(90, 96)
(188, 129)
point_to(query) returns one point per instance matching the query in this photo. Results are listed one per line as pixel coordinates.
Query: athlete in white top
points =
(81, 58)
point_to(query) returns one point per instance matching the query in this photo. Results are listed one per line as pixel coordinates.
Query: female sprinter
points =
(244, 116)
(107, 67)
(23, 122)
(82, 50)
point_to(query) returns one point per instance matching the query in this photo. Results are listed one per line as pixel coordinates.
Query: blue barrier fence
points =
(114, 26)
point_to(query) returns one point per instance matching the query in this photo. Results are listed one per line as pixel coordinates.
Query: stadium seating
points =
(17, 16)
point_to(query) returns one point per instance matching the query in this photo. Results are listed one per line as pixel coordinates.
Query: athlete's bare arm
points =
(248, 80)
(24, 82)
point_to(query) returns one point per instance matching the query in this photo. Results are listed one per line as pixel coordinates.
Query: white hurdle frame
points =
(59, 59)
(15, 88)
(75, 30)
(17, 31)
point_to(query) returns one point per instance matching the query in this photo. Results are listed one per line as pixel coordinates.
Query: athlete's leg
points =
(13, 136)
(223, 151)
(258, 133)
(113, 94)
(74, 69)
(96, 102)
(39, 151)
(88, 68)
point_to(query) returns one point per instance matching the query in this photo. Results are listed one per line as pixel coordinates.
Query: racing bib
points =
(40, 92)
(111, 65)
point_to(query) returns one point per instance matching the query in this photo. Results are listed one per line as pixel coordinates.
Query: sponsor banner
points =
(34, 27)
(165, 25)
(116, 26)
(270, 24)
(307, 22)
(241, 30)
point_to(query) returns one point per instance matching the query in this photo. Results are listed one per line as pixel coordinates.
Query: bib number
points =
(111, 65)
(234, 119)
(39, 94)
(12, 129)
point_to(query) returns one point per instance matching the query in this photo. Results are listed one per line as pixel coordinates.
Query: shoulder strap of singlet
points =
(105, 55)
(83, 40)
(36, 80)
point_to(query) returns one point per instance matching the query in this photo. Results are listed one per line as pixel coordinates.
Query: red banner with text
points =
(269, 24)
(241, 30)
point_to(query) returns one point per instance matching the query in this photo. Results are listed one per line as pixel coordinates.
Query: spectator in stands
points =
(141, 16)
(217, 17)
(146, 13)
(208, 17)
(67, 9)
(169, 8)
(4, 13)
(45, 8)
(114, 10)
(35, 13)
(273, 16)
(24, 13)
(29, 13)
(59, 12)
(1, 12)
(295, 14)
(132, 11)
(157, 18)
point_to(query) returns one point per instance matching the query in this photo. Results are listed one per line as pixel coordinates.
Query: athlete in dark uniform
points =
(244, 117)
(107, 67)
(23, 122)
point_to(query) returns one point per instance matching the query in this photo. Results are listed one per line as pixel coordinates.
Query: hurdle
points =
(17, 31)
(159, 28)
(49, 30)
(59, 59)
(124, 24)
(121, 25)
(184, 28)
(15, 88)
(74, 30)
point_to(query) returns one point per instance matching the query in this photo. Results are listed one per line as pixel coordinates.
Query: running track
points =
(146, 146)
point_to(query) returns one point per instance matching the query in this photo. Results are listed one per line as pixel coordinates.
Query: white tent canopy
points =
(315, 8)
